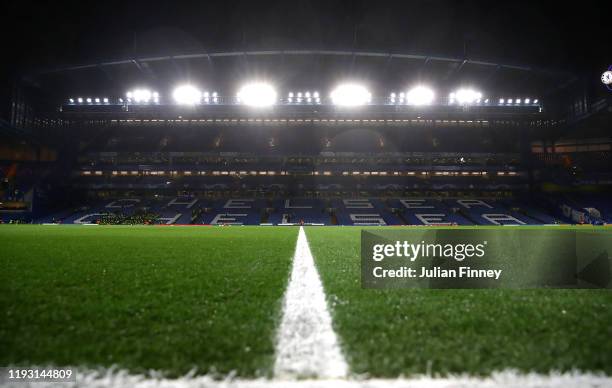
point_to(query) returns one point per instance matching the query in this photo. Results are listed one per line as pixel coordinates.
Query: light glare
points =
(257, 94)
(187, 95)
(350, 95)
(139, 95)
(466, 96)
(420, 95)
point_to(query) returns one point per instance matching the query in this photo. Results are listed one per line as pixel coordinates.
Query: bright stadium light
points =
(527, 100)
(187, 95)
(139, 96)
(518, 100)
(88, 100)
(71, 100)
(535, 101)
(350, 95)
(501, 100)
(509, 101)
(420, 95)
(97, 100)
(105, 99)
(257, 94)
(466, 96)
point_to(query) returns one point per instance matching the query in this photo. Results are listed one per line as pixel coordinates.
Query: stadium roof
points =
(110, 47)
(300, 69)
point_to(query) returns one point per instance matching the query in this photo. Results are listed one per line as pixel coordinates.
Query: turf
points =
(168, 299)
(388, 333)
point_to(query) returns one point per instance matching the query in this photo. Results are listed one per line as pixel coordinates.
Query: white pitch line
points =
(307, 345)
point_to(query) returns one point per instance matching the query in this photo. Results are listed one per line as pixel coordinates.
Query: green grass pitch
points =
(412, 331)
(177, 298)
(168, 299)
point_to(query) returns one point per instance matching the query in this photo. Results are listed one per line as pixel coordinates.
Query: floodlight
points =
(140, 95)
(486, 101)
(315, 94)
(88, 100)
(501, 100)
(518, 100)
(351, 95)
(105, 100)
(419, 95)
(257, 94)
(299, 94)
(187, 95)
(509, 101)
(290, 94)
(527, 101)
(97, 100)
(535, 101)
(71, 100)
(466, 96)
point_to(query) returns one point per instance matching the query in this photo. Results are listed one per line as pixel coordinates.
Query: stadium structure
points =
(311, 137)
(125, 165)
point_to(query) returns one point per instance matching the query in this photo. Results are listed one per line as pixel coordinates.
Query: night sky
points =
(574, 36)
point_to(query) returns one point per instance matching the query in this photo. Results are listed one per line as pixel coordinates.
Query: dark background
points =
(572, 36)
(41, 35)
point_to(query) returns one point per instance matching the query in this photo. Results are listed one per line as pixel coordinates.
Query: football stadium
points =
(306, 194)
